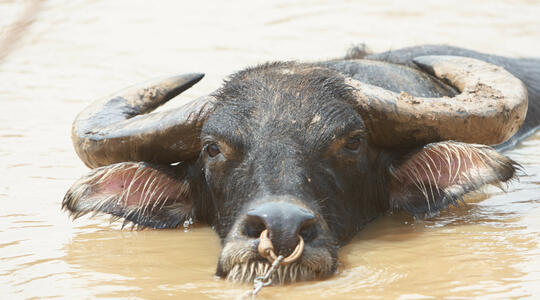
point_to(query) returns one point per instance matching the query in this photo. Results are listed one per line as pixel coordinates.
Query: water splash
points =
(187, 224)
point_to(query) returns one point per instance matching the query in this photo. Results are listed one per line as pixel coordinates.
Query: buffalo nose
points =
(284, 222)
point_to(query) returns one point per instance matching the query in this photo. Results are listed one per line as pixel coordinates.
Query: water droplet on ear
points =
(187, 223)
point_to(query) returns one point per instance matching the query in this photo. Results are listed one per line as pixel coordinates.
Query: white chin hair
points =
(247, 272)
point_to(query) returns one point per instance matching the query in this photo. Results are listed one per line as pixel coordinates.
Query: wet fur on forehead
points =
(289, 79)
(285, 97)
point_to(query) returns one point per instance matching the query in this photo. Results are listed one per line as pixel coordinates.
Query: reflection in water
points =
(79, 50)
(15, 31)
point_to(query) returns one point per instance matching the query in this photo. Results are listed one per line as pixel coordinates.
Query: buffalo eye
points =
(353, 143)
(212, 150)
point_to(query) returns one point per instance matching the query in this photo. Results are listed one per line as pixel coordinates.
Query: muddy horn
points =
(112, 130)
(490, 108)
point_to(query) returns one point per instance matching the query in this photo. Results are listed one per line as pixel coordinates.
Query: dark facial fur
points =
(288, 130)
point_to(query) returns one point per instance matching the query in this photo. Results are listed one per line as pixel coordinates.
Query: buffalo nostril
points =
(253, 226)
(309, 231)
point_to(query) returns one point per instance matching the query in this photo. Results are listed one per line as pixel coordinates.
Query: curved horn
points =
(111, 130)
(490, 108)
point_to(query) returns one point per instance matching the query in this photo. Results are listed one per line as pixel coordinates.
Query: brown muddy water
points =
(76, 51)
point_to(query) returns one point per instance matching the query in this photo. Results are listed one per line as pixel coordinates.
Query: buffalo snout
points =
(285, 223)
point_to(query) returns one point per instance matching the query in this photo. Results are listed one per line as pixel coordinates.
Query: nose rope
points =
(266, 249)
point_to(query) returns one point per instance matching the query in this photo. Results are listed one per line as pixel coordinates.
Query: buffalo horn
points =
(117, 128)
(489, 109)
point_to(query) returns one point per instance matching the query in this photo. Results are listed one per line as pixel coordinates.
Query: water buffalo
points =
(287, 154)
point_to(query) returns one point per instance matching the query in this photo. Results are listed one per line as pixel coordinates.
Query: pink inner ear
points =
(445, 164)
(440, 173)
(134, 184)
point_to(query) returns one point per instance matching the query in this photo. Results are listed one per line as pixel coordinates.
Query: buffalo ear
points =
(147, 195)
(438, 175)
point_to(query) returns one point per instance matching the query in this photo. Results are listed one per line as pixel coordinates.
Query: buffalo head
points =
(295, 153)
